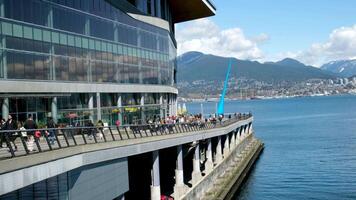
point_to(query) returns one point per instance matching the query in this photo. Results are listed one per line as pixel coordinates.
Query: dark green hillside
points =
(196, 66)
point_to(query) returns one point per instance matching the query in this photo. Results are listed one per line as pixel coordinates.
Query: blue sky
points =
(291, 26)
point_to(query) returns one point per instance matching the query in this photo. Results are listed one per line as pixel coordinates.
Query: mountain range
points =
(198, 66)
(345, 68)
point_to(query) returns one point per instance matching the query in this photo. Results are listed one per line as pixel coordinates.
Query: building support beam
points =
(179, 187)
(218, 157)
(142, 104)
(54, 109)
(233, 141)
(209, 165)
(250, 129)
(245, 131)
(91, 107)
(119, 106)
(240, 133)
(155, 187)
(161, 112)
(226, 146)
(196, 175)
(98, 106)
(5, 108)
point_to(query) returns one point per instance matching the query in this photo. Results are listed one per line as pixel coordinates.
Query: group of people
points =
(10, 130)
(190, 119)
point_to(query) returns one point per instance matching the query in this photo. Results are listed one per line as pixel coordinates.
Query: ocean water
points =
(310, 147)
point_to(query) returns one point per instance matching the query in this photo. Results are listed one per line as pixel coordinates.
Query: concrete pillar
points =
(218, 157)
(175, 105)
(241, 132)
(250, 129)
(244, 131)
(209, 165)
(179, 187)
(91, 107)
(98, 106)
(161, 113)
(155, 187)
(226, 146)
(233, 141)
(5, 108)
(54, 109)
(119, 106)
(142, 104)
(196, 175)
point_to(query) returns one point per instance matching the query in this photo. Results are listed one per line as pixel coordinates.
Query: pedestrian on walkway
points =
(11, 136)
(51, 132)
(30, 124)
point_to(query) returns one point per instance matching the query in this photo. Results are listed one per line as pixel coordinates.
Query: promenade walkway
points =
(70, 137)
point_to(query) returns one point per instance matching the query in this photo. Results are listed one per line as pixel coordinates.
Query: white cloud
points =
(205, 36)
(340, 45)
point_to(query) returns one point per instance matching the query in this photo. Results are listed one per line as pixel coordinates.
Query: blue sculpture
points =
(222, 97)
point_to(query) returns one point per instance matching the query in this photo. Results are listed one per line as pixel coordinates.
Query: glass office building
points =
(76, 60)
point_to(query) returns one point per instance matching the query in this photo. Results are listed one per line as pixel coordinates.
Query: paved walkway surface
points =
(70, 138)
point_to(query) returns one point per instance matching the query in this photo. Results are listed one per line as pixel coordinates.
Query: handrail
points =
(34, 141)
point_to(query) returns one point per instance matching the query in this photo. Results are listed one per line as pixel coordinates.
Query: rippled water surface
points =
(310, 147)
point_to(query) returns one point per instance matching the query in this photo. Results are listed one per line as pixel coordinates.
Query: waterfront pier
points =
(185, 161)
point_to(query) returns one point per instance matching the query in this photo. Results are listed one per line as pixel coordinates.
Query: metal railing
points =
(31, 141)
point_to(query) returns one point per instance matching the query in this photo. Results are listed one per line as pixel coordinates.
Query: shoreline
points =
(216, 100)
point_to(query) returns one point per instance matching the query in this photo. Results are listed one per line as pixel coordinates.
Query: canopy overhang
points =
(186, 10)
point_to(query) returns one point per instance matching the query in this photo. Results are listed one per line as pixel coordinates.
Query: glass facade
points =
(130, 112)
(82, 41)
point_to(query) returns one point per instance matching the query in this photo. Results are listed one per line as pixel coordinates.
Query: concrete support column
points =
(142, 104)
(161, 113)
(240, 133)
(169, 105)
(233, 141)
(179, 187)
(209, 165)
(250, 129)
(237, 138)
(156, 186)
(218, 157)
(91, 106)
(119, 106)
(244, 131)
(175, 105)
(226, 146)
(98, 106)
(54, 109)
(5, 108)
(196, 175)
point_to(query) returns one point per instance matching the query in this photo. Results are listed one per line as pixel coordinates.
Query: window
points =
(68, 20)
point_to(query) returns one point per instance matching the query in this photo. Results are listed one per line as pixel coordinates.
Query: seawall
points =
(227, 176)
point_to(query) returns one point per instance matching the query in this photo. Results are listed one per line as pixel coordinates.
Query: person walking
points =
(30, 124)
(51, 132)
(91, 131)
(11, 135)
